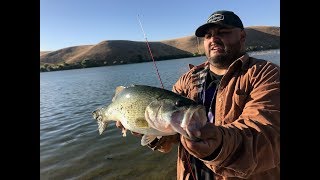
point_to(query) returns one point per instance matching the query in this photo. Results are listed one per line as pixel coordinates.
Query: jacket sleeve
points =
(251, 144)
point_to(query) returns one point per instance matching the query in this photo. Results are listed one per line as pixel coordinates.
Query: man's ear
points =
(243, 36)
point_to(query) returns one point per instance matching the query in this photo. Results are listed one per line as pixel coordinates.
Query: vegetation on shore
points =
(86, 63)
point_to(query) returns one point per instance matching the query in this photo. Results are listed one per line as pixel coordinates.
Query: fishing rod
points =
(145, 37)
(154, 63)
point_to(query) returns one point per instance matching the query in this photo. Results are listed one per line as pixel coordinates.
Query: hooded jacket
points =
(248, 118)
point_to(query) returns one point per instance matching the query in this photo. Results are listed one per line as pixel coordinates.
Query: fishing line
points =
(145, 37)
(154, 63)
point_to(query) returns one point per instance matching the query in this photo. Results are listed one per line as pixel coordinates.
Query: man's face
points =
(223, 45)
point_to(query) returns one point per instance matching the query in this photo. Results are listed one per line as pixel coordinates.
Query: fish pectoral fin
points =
(147, 139)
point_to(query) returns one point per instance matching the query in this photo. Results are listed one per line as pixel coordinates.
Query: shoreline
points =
(90, 64)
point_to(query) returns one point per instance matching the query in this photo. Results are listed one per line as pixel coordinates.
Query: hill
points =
(122, 52)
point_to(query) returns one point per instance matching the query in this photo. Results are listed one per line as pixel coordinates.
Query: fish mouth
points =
(196, 120)
(165, 116)
(193, 119)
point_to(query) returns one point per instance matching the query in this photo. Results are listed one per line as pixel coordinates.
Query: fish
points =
(151, 111)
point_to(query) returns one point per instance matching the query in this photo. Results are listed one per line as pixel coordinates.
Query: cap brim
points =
(202, 30)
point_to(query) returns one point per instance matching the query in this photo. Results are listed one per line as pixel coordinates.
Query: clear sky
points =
(66, 23)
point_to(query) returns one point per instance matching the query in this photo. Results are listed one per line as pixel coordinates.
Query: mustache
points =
(216, 43)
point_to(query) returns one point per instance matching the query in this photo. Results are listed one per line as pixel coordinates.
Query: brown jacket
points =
(248, 116)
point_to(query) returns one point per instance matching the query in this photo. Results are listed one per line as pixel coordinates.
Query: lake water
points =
(70, 145)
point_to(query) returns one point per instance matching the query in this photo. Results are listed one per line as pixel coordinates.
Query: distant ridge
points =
(112, 52)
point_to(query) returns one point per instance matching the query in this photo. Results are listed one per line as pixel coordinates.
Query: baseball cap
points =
(222, 18)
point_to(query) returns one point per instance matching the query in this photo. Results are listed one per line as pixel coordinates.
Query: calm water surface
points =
(70, 145)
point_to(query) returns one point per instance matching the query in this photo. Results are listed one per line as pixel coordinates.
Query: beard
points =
(232, 53)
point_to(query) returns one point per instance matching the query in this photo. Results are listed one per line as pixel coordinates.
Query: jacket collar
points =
(244, 60)
(200, 71)
(241, 63)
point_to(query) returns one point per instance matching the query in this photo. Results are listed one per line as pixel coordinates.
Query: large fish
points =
(151, 111)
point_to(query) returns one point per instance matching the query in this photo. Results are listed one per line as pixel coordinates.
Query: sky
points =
(66, 23)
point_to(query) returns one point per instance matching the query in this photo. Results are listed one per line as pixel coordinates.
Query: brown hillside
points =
(133, 51)
(121, 50)
(189, 43)
(265, 36)
(64, 55)
(44, 52)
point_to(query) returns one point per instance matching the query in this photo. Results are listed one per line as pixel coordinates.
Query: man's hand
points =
(210, 140)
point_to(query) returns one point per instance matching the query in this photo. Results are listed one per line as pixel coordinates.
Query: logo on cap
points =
(215, 18)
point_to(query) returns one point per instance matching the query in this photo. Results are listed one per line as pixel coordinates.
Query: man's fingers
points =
(199, 149)
(136, 134)
(187, 146)
(119, 125)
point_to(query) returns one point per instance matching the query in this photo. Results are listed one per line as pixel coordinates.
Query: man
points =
(241, 139)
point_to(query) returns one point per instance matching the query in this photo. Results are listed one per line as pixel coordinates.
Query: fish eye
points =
(179, 103)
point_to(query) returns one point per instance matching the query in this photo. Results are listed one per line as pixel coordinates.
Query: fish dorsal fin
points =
(147, 139)
(118, 90)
